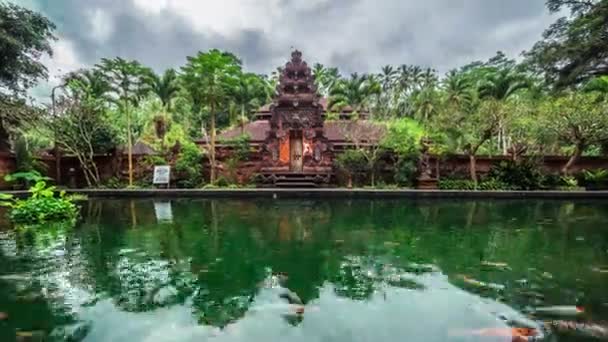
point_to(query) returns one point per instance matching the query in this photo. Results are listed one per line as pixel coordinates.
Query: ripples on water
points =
(366, 270)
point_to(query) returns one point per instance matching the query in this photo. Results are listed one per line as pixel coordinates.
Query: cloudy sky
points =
(355, 35)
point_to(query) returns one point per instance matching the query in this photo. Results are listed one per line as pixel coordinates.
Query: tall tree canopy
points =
(25, 36)
(575, 48)
(210, 77)
(128, 85)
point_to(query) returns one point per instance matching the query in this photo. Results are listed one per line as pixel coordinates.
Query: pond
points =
(365, 270)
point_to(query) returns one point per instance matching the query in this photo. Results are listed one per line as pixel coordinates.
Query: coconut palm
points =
(356, 92)
(499, 85)
(458, 91)
(165, 87)
(251, 92)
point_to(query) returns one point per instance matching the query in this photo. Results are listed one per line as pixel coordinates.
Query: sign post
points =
(162, 175)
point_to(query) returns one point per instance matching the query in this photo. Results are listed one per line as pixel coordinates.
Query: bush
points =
(523, 175)
(406, 171)
(42, 206)
(489, 184)
(189, 167)
(596, 180)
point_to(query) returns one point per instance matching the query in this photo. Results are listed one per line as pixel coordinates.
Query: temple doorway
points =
(296, 151)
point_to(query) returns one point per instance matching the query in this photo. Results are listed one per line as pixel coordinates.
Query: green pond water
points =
(366, 270)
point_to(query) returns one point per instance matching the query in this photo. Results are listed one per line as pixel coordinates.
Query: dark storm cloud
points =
(356, 35)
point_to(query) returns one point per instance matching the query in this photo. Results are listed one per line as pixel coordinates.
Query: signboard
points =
(163, 211)
(162, 175)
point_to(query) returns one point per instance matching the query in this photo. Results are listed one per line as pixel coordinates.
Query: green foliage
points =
(25, 36)
(596, 180)
(42, 206)
(468, 185)
(189, 166)
(352, 161)
(521, 175)
(403, 136)
(355, 93)
(406, 171)
(569, 182)
(27, 176)
(600, 175)
(573, 49)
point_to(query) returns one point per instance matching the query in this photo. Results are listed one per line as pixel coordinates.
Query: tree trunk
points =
(473, 168)
(129, 145)
(350, 181)
(242, 119)
(5, 144)
(373, 177)
(578, 151)
(57, 163)
(212, 147)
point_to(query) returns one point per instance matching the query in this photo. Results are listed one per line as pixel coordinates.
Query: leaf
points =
(6, 197)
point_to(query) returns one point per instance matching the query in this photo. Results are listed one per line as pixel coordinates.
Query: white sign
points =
(163, 211)
(162, 174)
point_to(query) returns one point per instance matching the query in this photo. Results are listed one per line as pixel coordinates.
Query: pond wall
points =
(243, 171)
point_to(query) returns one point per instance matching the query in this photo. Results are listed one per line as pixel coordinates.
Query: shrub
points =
(189, 167)
(42, 206)
(522, 175)
(489, 184)
(406, 171)
(351, 162)
(596, 180)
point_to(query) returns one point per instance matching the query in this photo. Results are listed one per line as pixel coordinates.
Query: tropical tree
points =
(209, 77)
(573, 49)
(579, 121)
(356, 92)
(25, 36)
(128, 84)
(598, 85)
(498, 86)
(165, 87)
(458, 91)
(325, 78)
(251, 92)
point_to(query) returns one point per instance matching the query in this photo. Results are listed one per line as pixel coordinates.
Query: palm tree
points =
(91, 83)
(325, 78)
(429, 78)
(355, 92)
(251, 92)
(165, 87)
(209, 78)
(425, 103)
(458, 91)
(127, 80)
(499, 85)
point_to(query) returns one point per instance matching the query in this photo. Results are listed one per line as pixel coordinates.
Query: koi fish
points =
(499, 265)
(563, 310)
(3, 316)
(584, 330)
(515, 333)
(481, 284)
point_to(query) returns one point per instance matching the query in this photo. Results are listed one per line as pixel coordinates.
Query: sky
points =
(354, 35)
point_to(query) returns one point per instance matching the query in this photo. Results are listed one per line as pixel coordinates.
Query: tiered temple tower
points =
(296, 148)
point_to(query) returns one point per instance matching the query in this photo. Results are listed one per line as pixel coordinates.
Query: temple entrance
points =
(296, 151)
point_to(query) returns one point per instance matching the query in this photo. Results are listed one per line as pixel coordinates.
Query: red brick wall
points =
(7, 165)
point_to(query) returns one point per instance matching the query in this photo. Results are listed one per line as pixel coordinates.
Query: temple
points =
(296, 145)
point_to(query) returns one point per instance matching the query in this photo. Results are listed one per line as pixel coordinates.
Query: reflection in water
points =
(365, 270)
